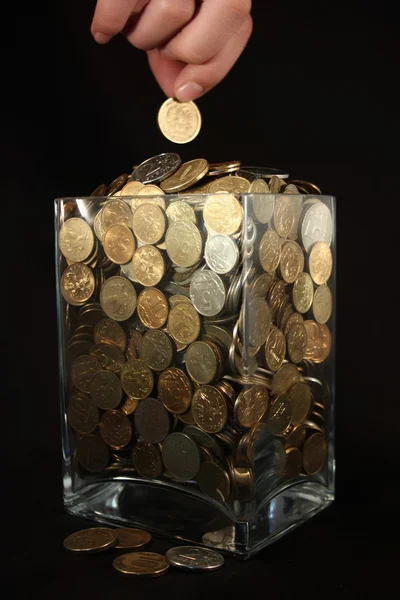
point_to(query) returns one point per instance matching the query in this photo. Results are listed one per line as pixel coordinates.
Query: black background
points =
(314, 93)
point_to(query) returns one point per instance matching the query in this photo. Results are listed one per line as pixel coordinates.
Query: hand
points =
(191, 44)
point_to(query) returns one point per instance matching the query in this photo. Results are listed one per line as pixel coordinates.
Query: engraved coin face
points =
(221, 254)
(90, 541)
(322, 304)
(180, 122)
(180, 211)
(137, 379)
(263, 206)
(130, 405)
(192, 558)
(314, 453)
(181, 456)
(297, 342)
(183, 243)
(76, 240)
(152, 308)
(187, 175)
(202, 362)
(207, 292)
(204, 440)
(82, 371)
(146, 459)
(83, 415)
(184, 323)
(320, 263)
(148, 265)
(283, 215)
(285, 378)
(141, 564)
(293, 318)
(92, 453)
(110, 332)
(223, 213)
(251, 405)
(77, 284)
(118, 298)
(156, 350)
(131, 538)
(106, 390)
(116, 212)
(301, 399)
(174, 390)
(275, 349)
(260, 285)
(157, 168)
(291, 262)
(115, 429)
(149, 223)
(209, 409)
(316, 226)
(119, 244)
(109, 356)
(303, 292)
(231, 184)
(152, 421)
(131, 189)
(270, 251)
(280, 414)
(259, 322)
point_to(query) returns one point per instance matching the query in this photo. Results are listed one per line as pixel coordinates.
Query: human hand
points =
(191, 45)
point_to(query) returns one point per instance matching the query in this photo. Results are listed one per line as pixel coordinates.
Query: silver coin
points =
(193, 558)
(203, 439)
(221, 254)
(157, 168)
(181, 456)
(316, 226)
(128, 271)
(207, 293)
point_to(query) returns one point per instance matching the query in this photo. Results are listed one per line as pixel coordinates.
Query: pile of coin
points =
(141, 564)
(195, 311)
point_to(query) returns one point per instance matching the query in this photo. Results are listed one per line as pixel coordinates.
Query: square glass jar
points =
(196, 353)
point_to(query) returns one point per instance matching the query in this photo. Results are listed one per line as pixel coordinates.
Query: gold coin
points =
(270, 251)
(82, 371)
(326, 343)
(116, 185)
(174, 391)
(116, 212)
(294, 463)
(118, 298)
(322, 304)
(132, 188)
(292, 261)
(263, 206)
(301, 398)
(183, 243)
(180, 211)
(83, 415)
(180, 122)
(295, 436)
(101, 190)
(148, 265)
(297, 342)
(76, 240)
(184, 323)
(92, 453)
(283, 215)
(284, 378)
(251, 405)
(223, 214)
(320, 262)
(98, 226)
(77, 284)
(115, 429)
(141, 564)
(152, 308)
(187, 175)
(202, 363)
(131, 538)
(105, 390)
(293, 318)
(90, 541)
(213, 480)
(149, 223)
(310, 188)
(119, 244)
(314, 454)
(275, 349)
(275, 184)
(135, 338)
(137, 379)
(187, 417)
(156, 350)
(258, 320)
(130, 405)
(209, 409)
(156, 196)
(230, 184)
(224, 167)
(280, 414)
(109, 331)
(303, 292)
(146, 459)
(177, 299)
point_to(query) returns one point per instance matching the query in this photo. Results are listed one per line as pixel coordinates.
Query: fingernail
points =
(167, 53)
(101, 38)
(188, 91)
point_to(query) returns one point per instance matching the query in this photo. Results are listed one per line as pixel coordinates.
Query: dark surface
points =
(314, 93)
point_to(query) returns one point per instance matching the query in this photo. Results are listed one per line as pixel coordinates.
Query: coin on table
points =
(270, 251)
(116, 212)
(157, 168)
(207, 293)
(118, 298)
(109, 331)
(141, 564)
(187, 175)
(146, 459)
(209, 409)
(115, 429)
(263, 205)
(231, 184)
(83, 415)
(77, 284)
(137, 379)
(82, 371)
(314, 453)
(152, 308)
(223, 214)
(192, 558)
(156, 350)
(221, 254)
(92, 453)
(294, 463)
(152, 421)
(180, 211)
(180, 122)
(291, 262)
(301, 399)
(284, 378)
(322, 304)
(90, 541)
(181, 456)
(251, 405)
(106, 390)
(297, 342)
(283, 215)
(174, 390)
(76, 240)
(316, 226)
(275, 349)
(303, 292)
(131, 538)
(149, 223)
(320, 262)
(280, 414)
(148, 265)
(183, 243)
(184, 323)
(119, 244)
(109, 356)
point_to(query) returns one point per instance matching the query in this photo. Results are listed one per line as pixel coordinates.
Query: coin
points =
(110, 332)
(92, 453)
(301, 398)
(207, 293)
(192, 558)
(233, 185)
(181, 456)
(262, 205)
(283, 215)
(223, 214)
(297, 342)
(316, 226)
(314, 454)
(251, 405)
(204, 440)
(119, 244)
(224, 167)
(141, 564)
(115, 429)
(187, 175)
(131, 538)
(295, 436)
(260, 285)
(105, 390)
(77, 284)
(76, 240)
(270, 251)
(152, 421)
(258, 322)
(291, 262)
(184, 323)
(136, 379)
(275, 349)
(116, 212)
(180, 211)
(109, 356)
(82, 370)
(82, 414)
(148, 264)
(152, 308)
(284, 378)
(180, 122)
(293, 318)
(130, 405)
(117, 184)
(146, 459)
(209, 409)
(280, 413)
(157, 168)
(156, 350)
(326, 343)
(201, 360)
(221, 254)
(320, 263)
(90, 541)
(322, 304)
(303, 292)
(183, 243)
(149, 223)
(101, 190)
(294, 463)
(118, 298)
(131, 189)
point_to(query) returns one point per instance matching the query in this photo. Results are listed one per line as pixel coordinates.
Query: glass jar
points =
(197, 363)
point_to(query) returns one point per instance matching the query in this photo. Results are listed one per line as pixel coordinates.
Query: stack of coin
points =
(196, 314)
